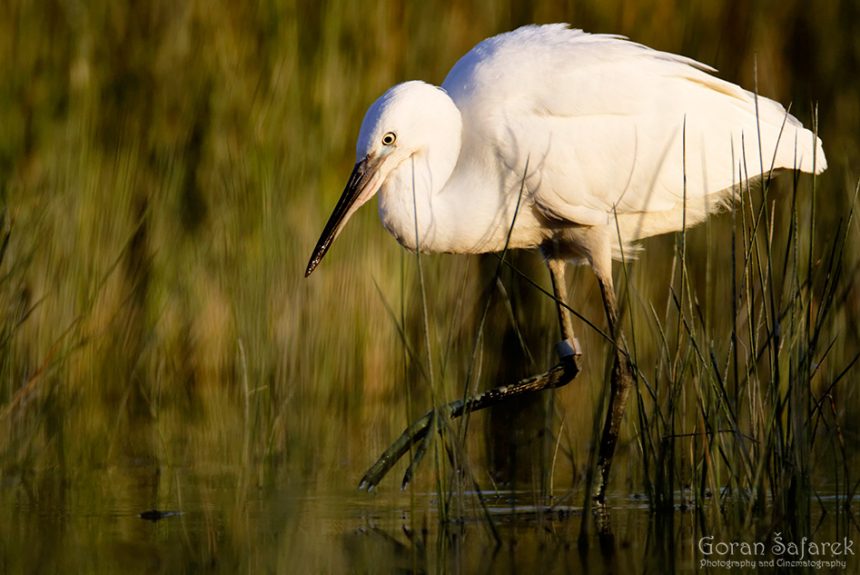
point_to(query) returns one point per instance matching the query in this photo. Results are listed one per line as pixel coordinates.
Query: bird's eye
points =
(389, 138)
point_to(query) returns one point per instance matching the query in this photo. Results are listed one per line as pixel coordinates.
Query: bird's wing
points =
(610, 126)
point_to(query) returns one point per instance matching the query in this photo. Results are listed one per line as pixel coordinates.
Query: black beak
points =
(354, 195)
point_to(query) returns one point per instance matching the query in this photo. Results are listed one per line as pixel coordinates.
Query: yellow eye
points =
(389, 138)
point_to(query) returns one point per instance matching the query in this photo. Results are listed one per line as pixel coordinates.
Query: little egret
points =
(576, 144)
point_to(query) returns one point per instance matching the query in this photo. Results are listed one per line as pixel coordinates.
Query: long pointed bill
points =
(362, 184)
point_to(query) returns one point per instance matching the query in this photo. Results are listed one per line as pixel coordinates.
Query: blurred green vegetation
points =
(166, 167)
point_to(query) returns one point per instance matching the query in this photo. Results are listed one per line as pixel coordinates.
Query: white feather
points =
(554, 138)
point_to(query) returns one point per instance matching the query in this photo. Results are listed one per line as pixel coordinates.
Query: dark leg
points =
(561, 374)
(622, 381)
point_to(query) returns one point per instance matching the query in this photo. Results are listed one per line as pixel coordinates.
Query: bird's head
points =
(410, 120)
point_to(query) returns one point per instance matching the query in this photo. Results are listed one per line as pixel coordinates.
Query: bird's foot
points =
(418, 433)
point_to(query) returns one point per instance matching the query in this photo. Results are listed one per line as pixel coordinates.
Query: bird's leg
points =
(568, 347)
(622, 381)
(561, 374)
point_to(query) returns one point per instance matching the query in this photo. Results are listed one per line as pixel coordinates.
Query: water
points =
(216, 522)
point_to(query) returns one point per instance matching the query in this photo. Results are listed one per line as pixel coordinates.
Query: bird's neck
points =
(470, 210)
(407, 202)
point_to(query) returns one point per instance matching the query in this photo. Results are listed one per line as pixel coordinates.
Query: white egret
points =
(576, 144)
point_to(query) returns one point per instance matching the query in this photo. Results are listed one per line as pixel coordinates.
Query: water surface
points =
(215, 521)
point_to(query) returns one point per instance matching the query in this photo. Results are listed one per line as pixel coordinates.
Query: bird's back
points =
(610, 127)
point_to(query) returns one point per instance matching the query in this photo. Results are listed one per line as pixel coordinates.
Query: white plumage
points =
(603, 125)
(603, 122)
(577, 144)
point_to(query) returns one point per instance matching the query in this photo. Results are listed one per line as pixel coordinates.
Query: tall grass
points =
(733, 410)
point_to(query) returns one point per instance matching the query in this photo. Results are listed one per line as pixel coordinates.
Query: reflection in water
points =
(93, 524)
